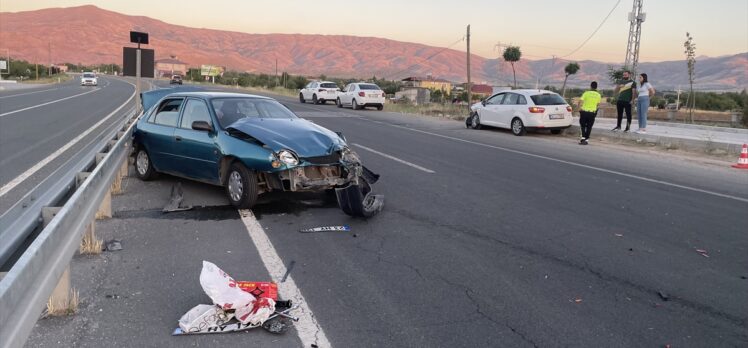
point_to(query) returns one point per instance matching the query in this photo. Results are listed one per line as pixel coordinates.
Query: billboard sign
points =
(210, 70)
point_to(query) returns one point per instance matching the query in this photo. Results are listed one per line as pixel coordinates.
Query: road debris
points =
(113, 245)
(288, 271)
(176, 200)
(702, 252)
(618, 235)
(237, 306)
(343, 228)
(578, 300)
(663, 295)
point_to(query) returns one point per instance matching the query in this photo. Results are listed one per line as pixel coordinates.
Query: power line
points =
(594, 32)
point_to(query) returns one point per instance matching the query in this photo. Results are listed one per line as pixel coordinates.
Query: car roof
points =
(211, 95)
(528, 92)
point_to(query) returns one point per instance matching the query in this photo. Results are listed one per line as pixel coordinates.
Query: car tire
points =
(518, 128)
(380, 107)
(354, 105)
(475, 121)
(301, 98)
(143, 165)
(555, 131)
(315, 101)
(241, 186)
(338, 103)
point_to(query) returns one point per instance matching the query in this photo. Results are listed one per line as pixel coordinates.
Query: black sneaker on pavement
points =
(615, 129)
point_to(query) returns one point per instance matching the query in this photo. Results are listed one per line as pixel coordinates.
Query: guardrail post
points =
(105, 209)
(62, 300)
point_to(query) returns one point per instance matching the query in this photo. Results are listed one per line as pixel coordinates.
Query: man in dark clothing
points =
(626, 90)
(588, 104)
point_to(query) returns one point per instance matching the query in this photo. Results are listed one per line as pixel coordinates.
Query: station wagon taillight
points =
(322, 89)
(361, 94)
(536, 110)
(568, 108)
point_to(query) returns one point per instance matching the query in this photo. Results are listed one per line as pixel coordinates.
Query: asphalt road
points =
(486, 239)
(39, 128)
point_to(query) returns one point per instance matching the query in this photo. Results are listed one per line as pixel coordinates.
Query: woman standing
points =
(644, 92)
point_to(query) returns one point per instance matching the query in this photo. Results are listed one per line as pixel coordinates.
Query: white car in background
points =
(360, 95)
(89, 79)
(520, 110)
(319, 92)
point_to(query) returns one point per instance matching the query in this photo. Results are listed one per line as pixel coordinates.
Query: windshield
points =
(548, 99)
(368, 87)
(88, 75)
(328, 85)
(230, 110)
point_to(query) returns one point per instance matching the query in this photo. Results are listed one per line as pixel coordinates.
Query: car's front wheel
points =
(338, 103)
(143, 166)
(301, 98)
(475, 121)
(518, 128)
(241, 186)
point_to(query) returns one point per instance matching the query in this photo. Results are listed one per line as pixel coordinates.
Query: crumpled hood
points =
(299, 135)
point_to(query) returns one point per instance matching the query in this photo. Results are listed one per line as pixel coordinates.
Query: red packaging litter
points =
(260, 289)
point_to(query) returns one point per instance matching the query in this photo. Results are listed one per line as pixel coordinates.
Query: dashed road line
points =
(395, 159)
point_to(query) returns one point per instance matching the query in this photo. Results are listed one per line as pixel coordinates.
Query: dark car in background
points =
(250, 145)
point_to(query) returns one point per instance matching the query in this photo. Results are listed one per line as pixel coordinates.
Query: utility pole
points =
(497, 47)
(677, 100)
(469, 84)
(636, 18)
(49, 52)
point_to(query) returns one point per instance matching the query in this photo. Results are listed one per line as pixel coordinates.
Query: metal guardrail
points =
(28, 284)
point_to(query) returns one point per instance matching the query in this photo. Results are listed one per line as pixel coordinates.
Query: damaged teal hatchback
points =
(250, 145)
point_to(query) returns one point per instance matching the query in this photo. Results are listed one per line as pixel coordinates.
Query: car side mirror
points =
(483, 102)
(202, 126)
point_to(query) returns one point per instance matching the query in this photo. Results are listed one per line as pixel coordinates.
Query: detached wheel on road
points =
(518, 128)
(355, 105)
(555, 131)
(301, 99)
(338, 103)
(475, 121)
(314, 100)
(143, 167)
(241, 186)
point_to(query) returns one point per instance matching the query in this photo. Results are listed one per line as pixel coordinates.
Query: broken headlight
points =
(288, 157)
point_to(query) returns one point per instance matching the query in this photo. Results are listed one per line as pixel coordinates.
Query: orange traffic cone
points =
(743, 159)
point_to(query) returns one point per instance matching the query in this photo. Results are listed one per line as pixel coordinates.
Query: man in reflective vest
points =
(588, 110)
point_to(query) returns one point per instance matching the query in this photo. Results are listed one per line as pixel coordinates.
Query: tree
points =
(690, 51)
(570, 69)
(615, 75)
(513, 54)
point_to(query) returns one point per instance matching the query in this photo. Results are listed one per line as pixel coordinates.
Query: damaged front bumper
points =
(349, 178)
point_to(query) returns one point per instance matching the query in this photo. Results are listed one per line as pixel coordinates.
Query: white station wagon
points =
(520, 110)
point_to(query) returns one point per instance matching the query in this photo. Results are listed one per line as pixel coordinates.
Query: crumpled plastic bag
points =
(202, 317)
(222, 289)
(256, 313)
(225, 293)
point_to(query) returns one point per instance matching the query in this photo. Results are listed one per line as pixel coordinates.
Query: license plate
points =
(372, 95)
(557, 117)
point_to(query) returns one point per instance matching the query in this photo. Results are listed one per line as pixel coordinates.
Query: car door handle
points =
(178, 138)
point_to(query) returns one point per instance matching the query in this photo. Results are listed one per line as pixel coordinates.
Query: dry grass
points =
(48, 80)
(70, 308)
(455, 112)
(90, 245)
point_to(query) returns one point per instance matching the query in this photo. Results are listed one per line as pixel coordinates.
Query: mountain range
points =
(91, 35)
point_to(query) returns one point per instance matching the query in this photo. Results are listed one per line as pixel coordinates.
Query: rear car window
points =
(168, 112)
(230, 110)
(329, 85)
(367, 87)
(548, 99)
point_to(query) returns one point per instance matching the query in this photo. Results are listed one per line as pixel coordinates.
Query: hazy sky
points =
(542, 28)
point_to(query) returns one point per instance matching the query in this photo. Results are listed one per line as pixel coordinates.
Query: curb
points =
(669, 143)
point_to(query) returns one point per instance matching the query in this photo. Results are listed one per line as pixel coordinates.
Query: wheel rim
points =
(474, 121)
(517, 126)
(236, 187)
(142, 162)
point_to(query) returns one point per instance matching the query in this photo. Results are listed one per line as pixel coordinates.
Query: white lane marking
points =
(396, 159)
(47, 103)
(29, 172)
(309, 330)
(609, 171)
(20, 94)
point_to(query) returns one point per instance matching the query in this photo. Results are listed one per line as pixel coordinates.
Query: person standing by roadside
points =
(644, 93)
(588, 110)
(626, 90)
